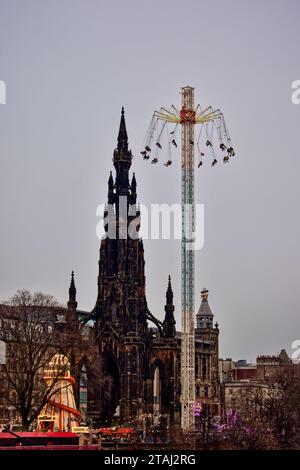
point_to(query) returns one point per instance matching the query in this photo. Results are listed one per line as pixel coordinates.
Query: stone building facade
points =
(240, 380)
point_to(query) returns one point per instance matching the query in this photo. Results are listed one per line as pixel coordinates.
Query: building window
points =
(83, 392)
(204, 369)
(156, 391)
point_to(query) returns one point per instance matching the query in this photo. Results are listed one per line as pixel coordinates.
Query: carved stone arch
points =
(83, 390)
(83, 361)
(157, 362)
(110, 385)
(160, 386)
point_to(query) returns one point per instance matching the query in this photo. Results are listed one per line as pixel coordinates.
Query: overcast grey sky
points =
(70, 65)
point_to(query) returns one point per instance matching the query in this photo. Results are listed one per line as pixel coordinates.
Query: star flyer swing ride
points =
(211, 123)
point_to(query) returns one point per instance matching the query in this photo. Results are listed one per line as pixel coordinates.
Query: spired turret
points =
(133, 189)
(72, 303)
(169, 321)
(122, 159)
(204, 317)
(122, 136)
(110, 189)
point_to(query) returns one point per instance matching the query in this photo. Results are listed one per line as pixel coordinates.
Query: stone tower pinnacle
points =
(169, 321)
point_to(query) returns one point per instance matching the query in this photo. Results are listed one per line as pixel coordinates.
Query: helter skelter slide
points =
(60, 412)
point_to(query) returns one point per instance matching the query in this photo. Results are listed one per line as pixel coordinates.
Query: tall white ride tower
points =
(209, 119)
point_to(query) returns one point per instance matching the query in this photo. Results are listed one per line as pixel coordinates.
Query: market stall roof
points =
(61, 434)
(30, 434)
(115, 430)
(6, 435)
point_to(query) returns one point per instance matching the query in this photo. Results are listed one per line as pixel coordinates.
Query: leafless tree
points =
(248, 429)
(270, 416)
(282, 407)
(28, 327)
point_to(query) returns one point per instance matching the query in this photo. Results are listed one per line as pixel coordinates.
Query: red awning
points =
(62, 434)
(29, 435)
(6, 435)
(115, 431)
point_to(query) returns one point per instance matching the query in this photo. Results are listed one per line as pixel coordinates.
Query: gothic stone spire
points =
(72, 304)
(123, 137)
(122, 159)
(169, 321)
